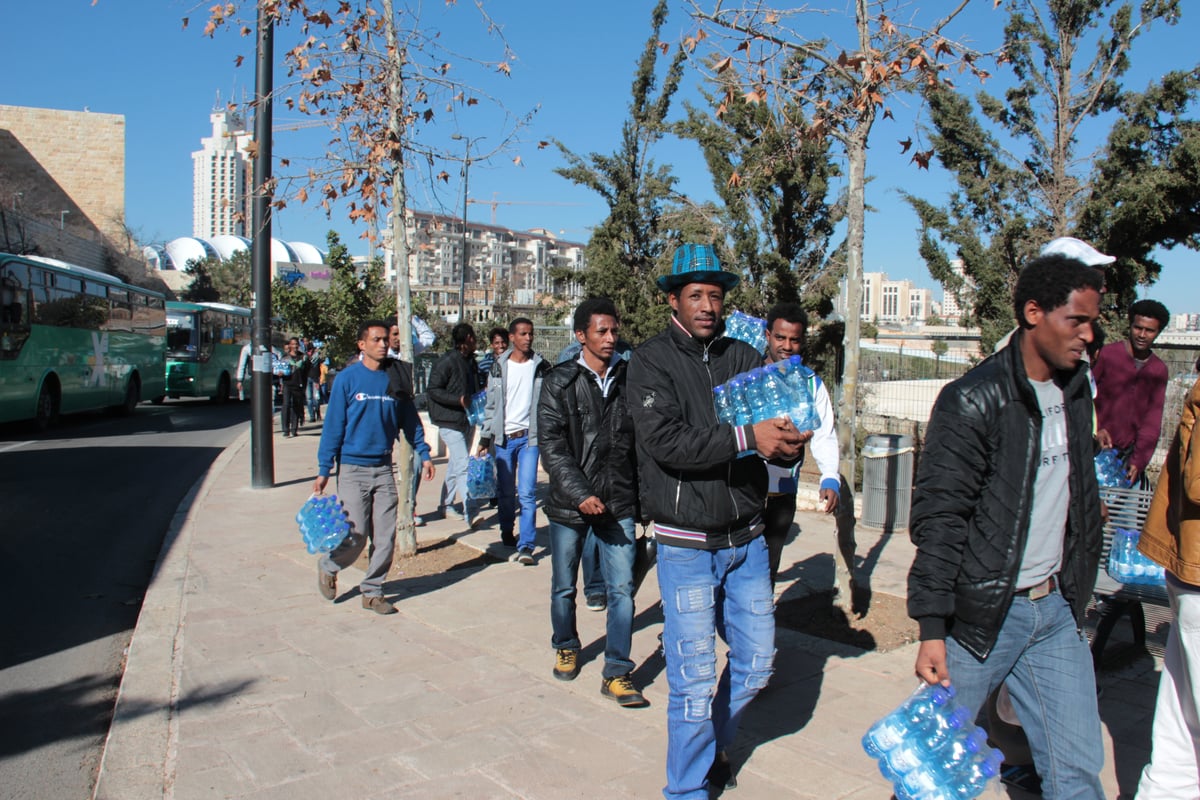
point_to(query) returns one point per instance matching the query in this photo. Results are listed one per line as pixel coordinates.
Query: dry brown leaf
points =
(905, 144)
(723, 64)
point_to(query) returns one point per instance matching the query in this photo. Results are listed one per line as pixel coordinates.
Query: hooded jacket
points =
(586, 443)
(974, 496)
(695, 484)
(491, 431)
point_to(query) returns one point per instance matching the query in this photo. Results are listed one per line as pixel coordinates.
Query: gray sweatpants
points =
(369, 495)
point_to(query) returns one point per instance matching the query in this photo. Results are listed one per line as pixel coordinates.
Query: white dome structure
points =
(228, 246)
(307, 253)
(187, 248)
(176, 254)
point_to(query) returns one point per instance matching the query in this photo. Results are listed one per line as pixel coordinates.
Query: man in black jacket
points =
(586, 439)
(453, 381)
(704, 486)
(1006, 520)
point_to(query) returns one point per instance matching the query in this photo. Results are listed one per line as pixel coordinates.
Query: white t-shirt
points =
(1051, 491)
(518, 396)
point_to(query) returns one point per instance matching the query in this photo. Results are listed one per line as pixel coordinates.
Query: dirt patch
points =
(885, 626)
(437, 557)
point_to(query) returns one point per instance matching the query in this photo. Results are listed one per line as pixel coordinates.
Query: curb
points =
(138, 756)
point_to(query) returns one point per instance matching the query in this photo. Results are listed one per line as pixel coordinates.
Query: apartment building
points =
(525, 271)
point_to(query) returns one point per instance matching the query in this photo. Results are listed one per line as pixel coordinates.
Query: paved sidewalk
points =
(243, 682)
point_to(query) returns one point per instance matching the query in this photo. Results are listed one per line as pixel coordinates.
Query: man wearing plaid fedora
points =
(704, 484)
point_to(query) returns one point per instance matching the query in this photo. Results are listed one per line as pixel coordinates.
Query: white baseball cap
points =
(1081, 251)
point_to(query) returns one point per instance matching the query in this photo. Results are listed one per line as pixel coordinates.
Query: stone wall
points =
(53, 161)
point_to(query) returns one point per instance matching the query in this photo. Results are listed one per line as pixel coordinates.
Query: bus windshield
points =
(181, 335)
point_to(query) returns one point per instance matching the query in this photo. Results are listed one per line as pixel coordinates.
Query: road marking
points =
(13, 446)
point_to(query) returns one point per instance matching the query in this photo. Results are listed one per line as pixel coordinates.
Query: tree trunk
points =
(406, 532)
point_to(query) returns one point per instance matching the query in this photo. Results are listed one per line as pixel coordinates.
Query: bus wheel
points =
(133, 395)
(222, 389)
(47, 405)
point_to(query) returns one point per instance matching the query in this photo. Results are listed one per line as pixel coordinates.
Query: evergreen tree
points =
(1021, 181)
(773, 178)
(626, 249)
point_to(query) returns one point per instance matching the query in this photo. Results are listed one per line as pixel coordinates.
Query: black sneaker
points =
(508, 539)
(597, 602)
(524, 557)
(720, 774)
(566, 664)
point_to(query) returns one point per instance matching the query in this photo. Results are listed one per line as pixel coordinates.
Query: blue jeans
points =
(593, 574)
(312, 391)
(455, 484)
(614, 538)
(1044, 660)
(516, 477)
(705, 592)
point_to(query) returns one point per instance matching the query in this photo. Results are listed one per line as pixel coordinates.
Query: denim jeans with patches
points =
(706, 593)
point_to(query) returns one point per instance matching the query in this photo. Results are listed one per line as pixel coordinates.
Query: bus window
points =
(120, 313)
(181, 335)
(14, 309)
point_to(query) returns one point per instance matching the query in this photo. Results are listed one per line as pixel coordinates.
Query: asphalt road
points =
(83, 512)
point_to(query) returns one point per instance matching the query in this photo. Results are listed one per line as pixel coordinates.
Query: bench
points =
(1126, 509)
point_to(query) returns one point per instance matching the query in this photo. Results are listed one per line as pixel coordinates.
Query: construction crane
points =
(494, 202)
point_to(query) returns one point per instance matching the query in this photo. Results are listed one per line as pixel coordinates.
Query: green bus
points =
(73, 339)
(205, 342)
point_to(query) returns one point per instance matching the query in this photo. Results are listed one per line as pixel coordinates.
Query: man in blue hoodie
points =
(362, 422)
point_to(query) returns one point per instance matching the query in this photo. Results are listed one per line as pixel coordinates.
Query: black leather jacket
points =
(974, 495)
(586, 443)
(690, 474)
(453, 377)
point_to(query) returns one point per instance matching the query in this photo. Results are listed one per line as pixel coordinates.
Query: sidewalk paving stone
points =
(243, 682)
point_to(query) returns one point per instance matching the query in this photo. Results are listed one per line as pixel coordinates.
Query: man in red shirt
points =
(1131, 387)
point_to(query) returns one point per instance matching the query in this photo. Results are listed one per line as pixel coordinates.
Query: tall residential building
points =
(221, 179)
(956, 304)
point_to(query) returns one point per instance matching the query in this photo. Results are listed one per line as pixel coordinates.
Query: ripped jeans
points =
(706, 593)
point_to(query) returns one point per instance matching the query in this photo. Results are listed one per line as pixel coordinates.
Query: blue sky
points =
(574, 63)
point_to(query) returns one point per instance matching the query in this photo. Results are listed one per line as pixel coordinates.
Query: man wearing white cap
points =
(1078, 250)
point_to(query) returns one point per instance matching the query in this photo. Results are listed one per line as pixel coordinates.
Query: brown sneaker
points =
(622, 690)
(378, 604)
(566, 665)
(326, 583)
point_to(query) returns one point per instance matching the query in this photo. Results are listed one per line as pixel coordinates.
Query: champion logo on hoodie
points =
(361, 396)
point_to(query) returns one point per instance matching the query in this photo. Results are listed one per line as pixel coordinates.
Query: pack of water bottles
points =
(930, 748)
(780, 389)
(323, 523)
(476, 406)
(751, 330)
(481, 477)
(1126, 563)
(1110, 470)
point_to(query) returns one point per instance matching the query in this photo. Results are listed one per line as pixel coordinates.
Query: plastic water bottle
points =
(475, 409)
(920, 747)
(1110, 470)
(481, 477)
(941, 769)
(930, 750)
(724, 405)
(778, 397)
(888, 732)
(751, 330)
(323, 523)
(753, 387)
(804, 411)
(743, 413)
(1127, 564)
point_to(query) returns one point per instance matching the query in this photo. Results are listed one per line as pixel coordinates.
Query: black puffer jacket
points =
(453, 378)
(586, 443)
(974, 495)
(690, 474)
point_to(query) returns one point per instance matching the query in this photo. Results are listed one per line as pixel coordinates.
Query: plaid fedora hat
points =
(696, 263)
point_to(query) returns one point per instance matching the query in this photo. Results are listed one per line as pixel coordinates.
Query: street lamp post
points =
(462, 272)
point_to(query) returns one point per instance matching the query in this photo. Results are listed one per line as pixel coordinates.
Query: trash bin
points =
(887, 481)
